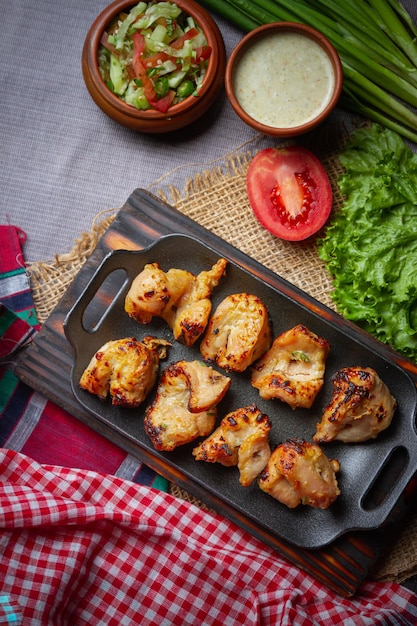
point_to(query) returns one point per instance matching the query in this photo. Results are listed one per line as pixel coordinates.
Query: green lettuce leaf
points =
(370, 245)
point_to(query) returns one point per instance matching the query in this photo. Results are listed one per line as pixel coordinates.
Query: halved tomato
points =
(289, 192)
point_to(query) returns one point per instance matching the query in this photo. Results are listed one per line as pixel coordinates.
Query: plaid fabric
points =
(18, 322)
(28, 422)
(82, 548)
(14, 332)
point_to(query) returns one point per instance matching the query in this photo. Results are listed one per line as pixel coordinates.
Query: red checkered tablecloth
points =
(79, 547)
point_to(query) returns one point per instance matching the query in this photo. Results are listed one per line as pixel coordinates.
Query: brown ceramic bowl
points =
(152, 121)
(283, 79)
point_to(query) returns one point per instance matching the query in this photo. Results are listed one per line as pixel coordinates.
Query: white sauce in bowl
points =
(284, 80)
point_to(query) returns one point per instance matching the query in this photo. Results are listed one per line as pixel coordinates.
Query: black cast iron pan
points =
(373, 474)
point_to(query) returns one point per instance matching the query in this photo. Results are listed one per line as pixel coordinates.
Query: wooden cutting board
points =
(46, 366)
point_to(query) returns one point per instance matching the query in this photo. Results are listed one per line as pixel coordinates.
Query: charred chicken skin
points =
(185, 405)
(126, 369)
(238, 333)
(177, 296)
(361, 407)
(293, 368)
(242, 440)
(298, 472)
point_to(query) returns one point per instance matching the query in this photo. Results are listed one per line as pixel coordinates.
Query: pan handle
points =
(74, 323)
(396, 474)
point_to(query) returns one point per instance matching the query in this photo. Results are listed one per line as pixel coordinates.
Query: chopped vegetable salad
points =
(154, 56)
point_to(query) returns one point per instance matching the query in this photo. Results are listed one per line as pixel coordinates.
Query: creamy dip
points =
(284, 80)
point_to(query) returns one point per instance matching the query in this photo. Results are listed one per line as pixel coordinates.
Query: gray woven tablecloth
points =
(62, 159)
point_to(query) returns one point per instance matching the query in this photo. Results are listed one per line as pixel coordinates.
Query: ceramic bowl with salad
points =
(154, 66)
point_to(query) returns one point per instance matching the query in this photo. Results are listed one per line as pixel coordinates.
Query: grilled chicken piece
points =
(293, 368)
(298, 472)
(361, 407)
(125, 369)
(185, 404)
(242, 440)
(177, 296)
(238, 333)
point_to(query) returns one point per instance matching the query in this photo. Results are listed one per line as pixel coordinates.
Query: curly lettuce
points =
(370, 245)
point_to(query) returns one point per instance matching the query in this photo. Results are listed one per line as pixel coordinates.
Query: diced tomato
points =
(139, 68)
(202, 53)
(289, 192)
(179, 43)
(138, 50)
(163, 104)
(148, 88)
(158, 58)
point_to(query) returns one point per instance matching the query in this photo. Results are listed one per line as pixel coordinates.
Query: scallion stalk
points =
(373, 95)
(391, 24)
(383, 77)
(278, 12)
(404, 16)
(234, 15)
(401, 66)
(257, 12)
(364, 29)
(350, 101)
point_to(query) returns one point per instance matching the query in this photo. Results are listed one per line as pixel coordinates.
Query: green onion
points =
(365, 89)
(234, 15)
(357, 106)
(376, 41)
(391, 24)
(404, 16)
(299, 355)
(366, 35)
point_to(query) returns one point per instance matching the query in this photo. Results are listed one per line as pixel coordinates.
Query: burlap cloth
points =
(216, 198)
